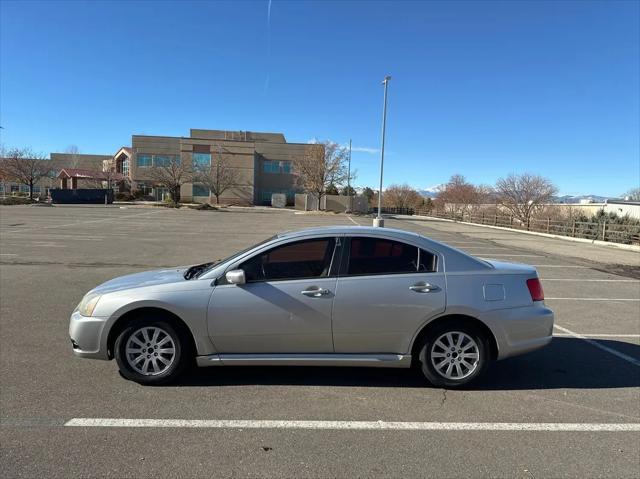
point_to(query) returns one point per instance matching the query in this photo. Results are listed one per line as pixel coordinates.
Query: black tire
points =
(429, 355)
(163, 374)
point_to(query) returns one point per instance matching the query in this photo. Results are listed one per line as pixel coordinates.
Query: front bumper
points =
(520, 330)
(88, 336)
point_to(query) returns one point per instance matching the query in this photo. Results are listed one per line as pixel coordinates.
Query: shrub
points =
(16, 200)
(203, 207)
(123, 196)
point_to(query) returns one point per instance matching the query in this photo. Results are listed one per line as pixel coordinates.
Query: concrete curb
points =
(628, 247)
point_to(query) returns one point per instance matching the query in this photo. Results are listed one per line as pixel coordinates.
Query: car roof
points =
(350, 230)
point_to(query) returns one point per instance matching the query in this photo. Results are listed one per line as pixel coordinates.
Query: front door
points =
(387, 290)
(285, 306)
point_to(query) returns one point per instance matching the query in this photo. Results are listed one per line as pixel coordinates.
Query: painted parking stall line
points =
(596, 335)
(351, 425)
(582, 280)
(602, 347)
(592, 299)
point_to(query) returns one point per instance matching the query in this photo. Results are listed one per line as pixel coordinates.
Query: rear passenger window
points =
(382, 256)
(427, 262)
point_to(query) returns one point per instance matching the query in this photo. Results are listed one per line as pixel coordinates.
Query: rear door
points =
(386, 290)
(285, 306)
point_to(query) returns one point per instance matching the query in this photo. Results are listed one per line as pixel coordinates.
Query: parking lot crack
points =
(444, 397)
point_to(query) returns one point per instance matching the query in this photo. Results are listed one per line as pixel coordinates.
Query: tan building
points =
(264, 162)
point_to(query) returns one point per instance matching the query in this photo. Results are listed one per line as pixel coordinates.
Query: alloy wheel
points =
(150, 351)
(455, 355)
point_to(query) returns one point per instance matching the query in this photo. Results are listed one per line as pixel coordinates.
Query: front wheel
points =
(151, 352)
(453, 355)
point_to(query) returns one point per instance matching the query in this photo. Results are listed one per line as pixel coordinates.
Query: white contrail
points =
(266, 80)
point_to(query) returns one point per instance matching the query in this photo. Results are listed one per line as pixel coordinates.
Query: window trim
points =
(346, 256)
(333, 265)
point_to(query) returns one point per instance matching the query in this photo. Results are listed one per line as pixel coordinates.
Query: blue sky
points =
(479, 88)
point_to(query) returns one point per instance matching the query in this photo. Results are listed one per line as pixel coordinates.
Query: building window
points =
(200, 190)
(125, 167)
(145, 161)
(145, 189)
(24, 189)
(36, 190)
(201, 159)
(273, 166)
(15, 188)
(161, 160)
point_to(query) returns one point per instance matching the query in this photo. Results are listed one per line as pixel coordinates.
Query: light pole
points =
(378, 221)
(349, 206)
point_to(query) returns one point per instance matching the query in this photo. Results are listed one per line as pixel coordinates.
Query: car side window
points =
(427, 262)
(301, 259)
(382, 256)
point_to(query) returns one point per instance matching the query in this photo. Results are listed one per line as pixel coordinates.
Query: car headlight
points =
(88, 304)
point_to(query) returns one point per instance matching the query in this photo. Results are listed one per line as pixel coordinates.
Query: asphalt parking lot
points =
(49, 257)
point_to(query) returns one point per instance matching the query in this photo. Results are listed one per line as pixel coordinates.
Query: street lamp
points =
(378, 221)
(349, 203)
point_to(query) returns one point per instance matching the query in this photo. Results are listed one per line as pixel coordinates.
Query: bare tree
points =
(633, 194)
(23, 166)
(322, 164)
(172, 174)
(458, 196)
(402, 196)
(108, 177)
(523, 195)
(219, 177)
(74, 152)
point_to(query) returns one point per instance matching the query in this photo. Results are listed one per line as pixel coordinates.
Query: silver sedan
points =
(337, 296)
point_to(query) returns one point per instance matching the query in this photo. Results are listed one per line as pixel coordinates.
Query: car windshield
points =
(199, 270)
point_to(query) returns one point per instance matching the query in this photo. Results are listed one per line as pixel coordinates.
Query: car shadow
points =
(566, 363)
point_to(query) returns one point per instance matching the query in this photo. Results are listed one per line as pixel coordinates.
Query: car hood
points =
(139, 280)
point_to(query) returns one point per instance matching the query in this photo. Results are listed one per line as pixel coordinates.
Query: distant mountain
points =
(578, 198)
(431, 191)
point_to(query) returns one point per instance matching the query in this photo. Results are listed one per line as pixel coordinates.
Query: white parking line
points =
(353, 221)
(593, 280)
(559, 266)
(353, 425)
(609, 350)
(114, 218)
(594, 299)
(491, 255)
(604, 335)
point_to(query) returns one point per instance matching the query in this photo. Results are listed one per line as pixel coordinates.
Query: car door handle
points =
(423, 287)
(315, 292)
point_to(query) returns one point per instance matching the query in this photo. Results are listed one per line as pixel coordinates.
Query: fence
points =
(603, 231)
(86, 196)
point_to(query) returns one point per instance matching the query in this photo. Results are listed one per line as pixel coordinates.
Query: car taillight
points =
(535, 289)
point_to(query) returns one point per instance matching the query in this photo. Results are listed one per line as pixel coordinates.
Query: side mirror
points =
(236, 276)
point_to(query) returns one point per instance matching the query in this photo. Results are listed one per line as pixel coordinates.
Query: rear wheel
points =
(454, 355)
(151, 352)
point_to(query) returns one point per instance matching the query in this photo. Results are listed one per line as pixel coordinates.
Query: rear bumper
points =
(520, 330)
(88, 336)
